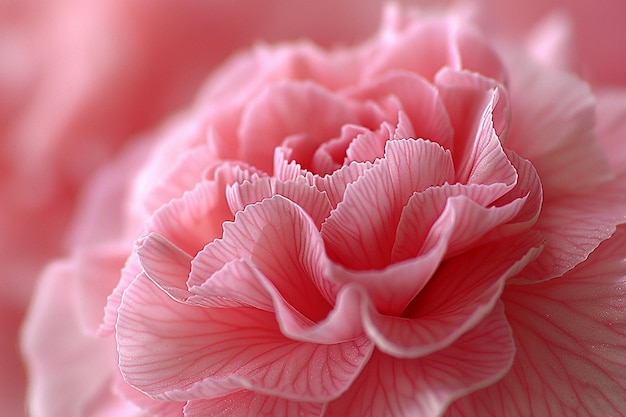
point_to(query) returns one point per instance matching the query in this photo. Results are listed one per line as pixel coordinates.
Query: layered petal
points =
(569, 334)
(179, 352)
(424, 387)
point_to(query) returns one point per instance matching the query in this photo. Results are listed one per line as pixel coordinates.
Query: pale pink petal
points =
(289, 108)
(196, 218)
(458, 296)
(360, 232)
(418, 99)
(281, 241)
(251, 404)
(314, 202)
(392, 387)
(436, 44)
(179, 352)
(569, 334)
(70, 370)
(148, 405)
(98, 272)
(131, 269)
(554, 128)
(181, 175)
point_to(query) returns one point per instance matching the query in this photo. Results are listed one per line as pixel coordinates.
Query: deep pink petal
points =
(289, 108)
(250, 404)
(569, 334)
(391, 387)
(178, 352)
(462, 292)
(360, 232)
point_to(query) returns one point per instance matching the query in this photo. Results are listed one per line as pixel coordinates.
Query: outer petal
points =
(462, 292)
(569, 334)
(390, 387)
(554, 128)
(70, 370)
(251, 404)
(179, 352)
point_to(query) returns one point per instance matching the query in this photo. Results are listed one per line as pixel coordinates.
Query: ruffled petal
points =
(251, 404)
(392, 387)
(281, 241)
(178, 352)
(418, 100)
(569, 334)
(360, 232)
(314, 202)
(289, 108)
(462, 292)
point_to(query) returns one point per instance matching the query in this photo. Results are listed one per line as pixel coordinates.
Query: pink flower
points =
(422, 225)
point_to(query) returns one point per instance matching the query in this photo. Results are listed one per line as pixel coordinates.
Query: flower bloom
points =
(421, 225)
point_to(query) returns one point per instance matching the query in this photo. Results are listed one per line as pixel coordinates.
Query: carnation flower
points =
(427, 224)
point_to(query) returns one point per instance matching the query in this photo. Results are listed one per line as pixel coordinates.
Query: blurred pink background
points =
(79, 79)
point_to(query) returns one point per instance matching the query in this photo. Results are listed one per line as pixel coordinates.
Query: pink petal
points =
(418, 99)
(240, 284)
(461, 293)
(315, 203)
(611, 125)
(370, 145)
(573, 226)
(131, 269)
(282, 242)
(392, 387)
(330, 155)
(569, 334)
(178, 352)
(70, 370)
(424, 208)
(250, 404)
(97, 273)
(289, 108)
(196, 218)
(360, 232)
(554, 128)
(335, 185)
(478, 109)
(436, 44)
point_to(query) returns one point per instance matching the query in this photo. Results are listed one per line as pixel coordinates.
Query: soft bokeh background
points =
(79, 79)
